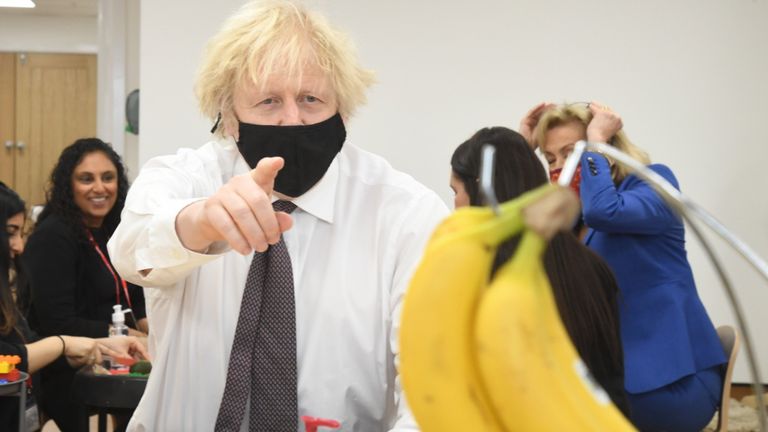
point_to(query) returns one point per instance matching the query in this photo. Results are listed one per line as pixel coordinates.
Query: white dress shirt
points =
(357, 237)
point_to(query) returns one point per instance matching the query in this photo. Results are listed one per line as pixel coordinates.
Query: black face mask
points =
(307, 150)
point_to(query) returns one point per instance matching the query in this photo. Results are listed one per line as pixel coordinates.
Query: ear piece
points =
(216, 125)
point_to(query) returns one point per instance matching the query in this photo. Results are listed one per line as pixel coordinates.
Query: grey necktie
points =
(263, 358)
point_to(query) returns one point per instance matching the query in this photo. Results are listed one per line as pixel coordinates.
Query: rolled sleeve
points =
(157, 258)
(145, 248)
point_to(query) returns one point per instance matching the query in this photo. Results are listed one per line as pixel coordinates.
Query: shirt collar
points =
(320, 200)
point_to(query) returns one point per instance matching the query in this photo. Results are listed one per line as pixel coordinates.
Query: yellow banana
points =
(529, 367)
(437, 364)
(514, 356)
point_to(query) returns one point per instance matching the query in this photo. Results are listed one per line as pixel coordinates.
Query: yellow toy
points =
(8, 363)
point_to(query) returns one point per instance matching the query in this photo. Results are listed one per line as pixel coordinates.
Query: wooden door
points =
(7, 116)
(55, 105)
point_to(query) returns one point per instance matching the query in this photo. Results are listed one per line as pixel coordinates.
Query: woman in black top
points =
(72, 280)
(16, 338)
(583, 285)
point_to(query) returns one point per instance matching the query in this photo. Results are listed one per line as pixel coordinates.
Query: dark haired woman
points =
(73, 282)
(16, 338)
(584, 287)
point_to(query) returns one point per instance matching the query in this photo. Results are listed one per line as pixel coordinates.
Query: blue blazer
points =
(665, 330)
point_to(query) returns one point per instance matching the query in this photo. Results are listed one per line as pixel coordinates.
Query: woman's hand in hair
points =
(604, 124)
(531, 119)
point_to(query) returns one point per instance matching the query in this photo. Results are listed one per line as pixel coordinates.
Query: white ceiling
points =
(57, 8)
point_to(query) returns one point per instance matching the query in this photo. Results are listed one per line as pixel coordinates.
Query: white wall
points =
(689, 78)
(47, 33)
(118, 75)
(132, 59)
(110, 99)
(169, 117)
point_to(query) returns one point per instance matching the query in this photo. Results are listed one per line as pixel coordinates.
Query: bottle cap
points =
(118, 316)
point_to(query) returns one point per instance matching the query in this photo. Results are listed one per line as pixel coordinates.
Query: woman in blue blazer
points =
(672, 354)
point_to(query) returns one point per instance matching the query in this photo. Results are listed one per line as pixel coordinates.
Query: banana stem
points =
(510, 221)
(534, 246)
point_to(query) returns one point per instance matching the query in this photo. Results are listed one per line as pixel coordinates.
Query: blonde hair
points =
(267, 36)
(580, 113)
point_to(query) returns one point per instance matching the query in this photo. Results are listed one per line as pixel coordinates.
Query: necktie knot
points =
(284, 206)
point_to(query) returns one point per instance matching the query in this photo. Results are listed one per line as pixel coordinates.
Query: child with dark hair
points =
(584, 287)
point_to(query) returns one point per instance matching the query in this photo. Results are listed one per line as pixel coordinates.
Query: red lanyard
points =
(118, 279)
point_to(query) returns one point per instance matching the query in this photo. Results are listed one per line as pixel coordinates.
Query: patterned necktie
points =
(263, 358)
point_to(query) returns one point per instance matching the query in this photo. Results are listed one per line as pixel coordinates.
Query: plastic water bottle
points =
(118, 329)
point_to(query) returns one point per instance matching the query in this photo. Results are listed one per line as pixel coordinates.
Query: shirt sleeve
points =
(637, 209)
(417, 224)
(51, 259)
(145, 247)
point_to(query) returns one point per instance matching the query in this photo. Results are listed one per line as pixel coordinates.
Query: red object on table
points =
(126, 361)
(312, 423)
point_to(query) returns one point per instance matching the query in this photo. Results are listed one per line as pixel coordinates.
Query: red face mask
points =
(575, 181)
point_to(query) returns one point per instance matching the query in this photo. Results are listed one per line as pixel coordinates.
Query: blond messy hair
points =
(269, 36)
(580, 113)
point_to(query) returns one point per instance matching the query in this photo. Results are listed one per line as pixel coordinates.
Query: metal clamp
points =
(487, 165)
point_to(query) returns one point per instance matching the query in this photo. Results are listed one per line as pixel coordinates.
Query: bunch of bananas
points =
(480, 355)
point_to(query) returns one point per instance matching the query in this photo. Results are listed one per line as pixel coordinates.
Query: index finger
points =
(266, 171)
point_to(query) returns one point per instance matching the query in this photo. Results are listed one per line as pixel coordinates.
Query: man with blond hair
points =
(277, 255)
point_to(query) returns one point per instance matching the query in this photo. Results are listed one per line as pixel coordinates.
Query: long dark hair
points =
(517, 169)
(584, 287)
(512, 156)
(586, 293)
(10, 205)
(59, 197)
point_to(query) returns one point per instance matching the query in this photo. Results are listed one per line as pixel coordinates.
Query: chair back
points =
(729, 339)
